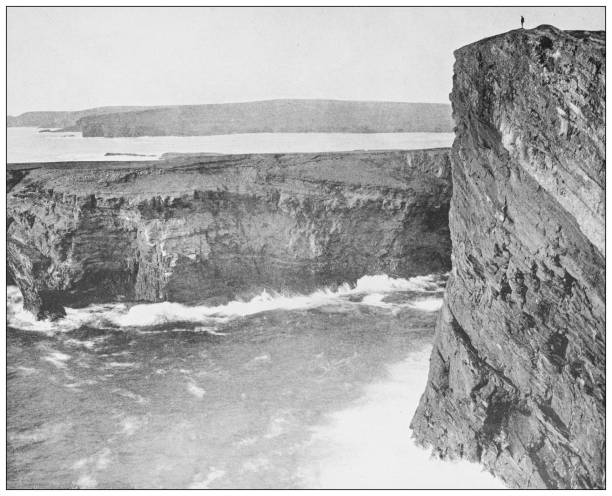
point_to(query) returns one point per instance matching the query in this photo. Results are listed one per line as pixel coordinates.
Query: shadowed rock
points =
(517, 376)
(196, 228)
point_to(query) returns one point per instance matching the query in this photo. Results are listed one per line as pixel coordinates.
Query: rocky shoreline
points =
(210, 228)
(517, 373)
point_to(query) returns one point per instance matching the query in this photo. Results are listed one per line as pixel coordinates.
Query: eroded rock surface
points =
(194, 228)
(517, 374)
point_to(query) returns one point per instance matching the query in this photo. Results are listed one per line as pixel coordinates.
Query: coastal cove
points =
(273, 293)
(253, 387)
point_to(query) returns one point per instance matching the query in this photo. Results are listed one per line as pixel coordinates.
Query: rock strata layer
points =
(200, 228)
(517, 373)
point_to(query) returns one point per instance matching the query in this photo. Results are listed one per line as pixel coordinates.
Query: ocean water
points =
(27, 144)
(282, 391)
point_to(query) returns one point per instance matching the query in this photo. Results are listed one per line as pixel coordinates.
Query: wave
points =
(58, 359)
(342, 454)
(370, 290)
(430, 304)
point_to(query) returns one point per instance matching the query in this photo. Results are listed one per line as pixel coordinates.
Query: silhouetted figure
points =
(522, 22)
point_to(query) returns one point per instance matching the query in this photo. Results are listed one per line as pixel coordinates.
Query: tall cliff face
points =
(517, 375)
(192, 228)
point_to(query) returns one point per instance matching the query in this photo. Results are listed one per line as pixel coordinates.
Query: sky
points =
(70, 58)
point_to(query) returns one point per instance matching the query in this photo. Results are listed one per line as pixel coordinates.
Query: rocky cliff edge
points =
(198, 228)
(517, 373)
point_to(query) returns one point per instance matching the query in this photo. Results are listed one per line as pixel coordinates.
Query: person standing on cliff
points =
(522, 22)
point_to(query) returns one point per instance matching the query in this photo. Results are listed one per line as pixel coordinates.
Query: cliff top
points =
(537, 32)
(179, 175)
(540, 94)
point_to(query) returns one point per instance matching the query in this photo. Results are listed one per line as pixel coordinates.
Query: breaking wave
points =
(369, 290)
(384, 456)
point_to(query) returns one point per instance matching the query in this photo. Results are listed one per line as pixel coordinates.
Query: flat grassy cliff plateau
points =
(272, 116)
(517, 373)
(195, 228)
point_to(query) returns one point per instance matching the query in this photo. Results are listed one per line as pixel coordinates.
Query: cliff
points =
(192, 228)
(61, 119)
(517, 373)
(273, 116)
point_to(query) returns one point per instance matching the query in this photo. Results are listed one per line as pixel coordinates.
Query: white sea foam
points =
(382, 283)
(121, 365)
(375, 300)
(89, 344)
(256, 464)
(92, 315)
(133, 396)
(262, 358)
(103, 459)
(78, 384)
(373, 288)
(86, 481)
(212, 332)
(129, 425)
(344, 454)
(278, 424)
(197, 391)
(46, 432)
(89, 466)
(202, 481)
(57, 358)
(27, 370)
(430, 304)
(73, 386)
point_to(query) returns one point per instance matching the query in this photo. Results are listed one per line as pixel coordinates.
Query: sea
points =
(284, 390)
(28, 144)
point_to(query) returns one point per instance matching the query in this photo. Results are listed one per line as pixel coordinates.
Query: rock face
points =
(517, 373)
(192, 228)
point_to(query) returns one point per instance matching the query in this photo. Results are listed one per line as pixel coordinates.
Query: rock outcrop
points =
(195, 228)
(517, 373)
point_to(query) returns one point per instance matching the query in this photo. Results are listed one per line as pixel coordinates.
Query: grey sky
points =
(75, 58)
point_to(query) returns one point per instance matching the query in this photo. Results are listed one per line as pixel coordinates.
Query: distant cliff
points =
(59, 119)
(192, 228)
(517, 374)
(272, 116)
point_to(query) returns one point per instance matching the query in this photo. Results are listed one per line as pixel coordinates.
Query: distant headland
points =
(270, 116)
